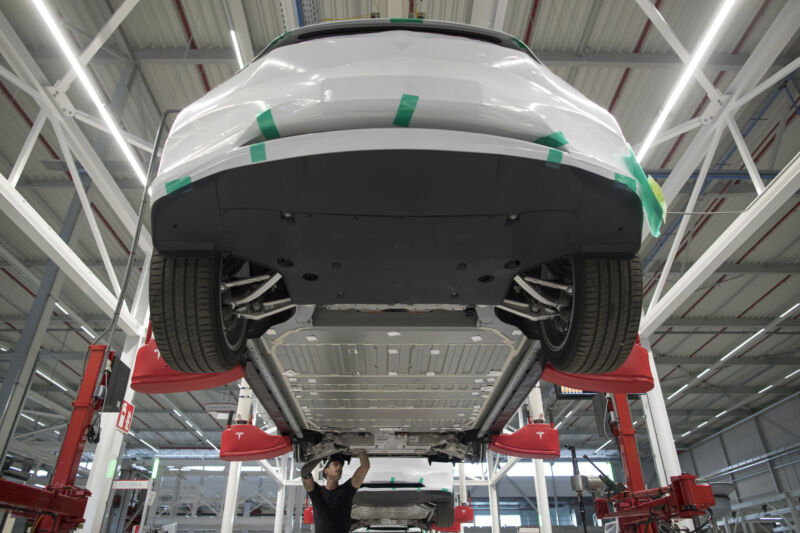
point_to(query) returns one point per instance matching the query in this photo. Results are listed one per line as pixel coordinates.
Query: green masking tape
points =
(408, 103)
(625, 180)
(554, 140)
(267, 125)
(554, 158)
(179, 183)
(392, 482)
(652, 202)
(416, 21)
(258, 153)
(420, 482)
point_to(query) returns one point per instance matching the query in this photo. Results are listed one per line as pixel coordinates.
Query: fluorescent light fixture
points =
(236, 49)
(56, 432)
(393, 333)
(51, 380)
(568, 414)
(792, 374)
(720, 414)
(606, 443)
(23, 415)
(684, 434)
(211, 444)
(671, 396)
(792, 308)
(703, 424)
(148, 445)
(155, 468)
(199, 434)
(3, 348)
(765, 389)
(189, 423)
(87, 331)
(751, 337)
(557, 425)
(698, 56)
(89, 87)
(176, 412)
(39, 424)
(62, 309)
(703, 373)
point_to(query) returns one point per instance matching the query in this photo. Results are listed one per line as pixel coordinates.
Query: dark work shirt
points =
(332, 508)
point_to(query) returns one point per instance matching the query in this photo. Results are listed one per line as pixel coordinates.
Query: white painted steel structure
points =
(32, 208)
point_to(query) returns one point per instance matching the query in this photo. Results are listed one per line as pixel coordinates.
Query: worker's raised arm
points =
(361, 471)
(306, 474)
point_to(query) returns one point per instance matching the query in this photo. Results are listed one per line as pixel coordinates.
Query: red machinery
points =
(59, 507)
(151, 375)
(637, 508)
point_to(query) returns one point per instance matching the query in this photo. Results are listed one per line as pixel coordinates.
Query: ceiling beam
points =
(741, 323)
(551, 58)
(772, 360)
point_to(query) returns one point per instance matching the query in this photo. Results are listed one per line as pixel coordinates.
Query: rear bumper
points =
(400, 226)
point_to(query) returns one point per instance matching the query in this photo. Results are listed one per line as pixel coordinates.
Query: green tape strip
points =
(652, 201)
(415, 21)
(267, 125)
(392, 482)
(554, 140)
(554, 158)
(625, 180)
(179, 183)
(408, 103)
(420, 482)
(258, 153)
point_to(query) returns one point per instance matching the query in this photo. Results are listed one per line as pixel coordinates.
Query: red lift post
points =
(59, 507)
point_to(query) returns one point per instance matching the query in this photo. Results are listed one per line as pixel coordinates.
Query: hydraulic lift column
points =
(242, 416)
(536, 410)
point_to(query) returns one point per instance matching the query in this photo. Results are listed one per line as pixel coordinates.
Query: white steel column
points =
(27, 148)
(462, 488)
(280, 502)
(106, 452)
(243, 409)
(494, 505)
(658, 427)
(536, 409)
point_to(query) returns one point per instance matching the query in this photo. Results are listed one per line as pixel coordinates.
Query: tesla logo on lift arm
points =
(540, 433)
(239, 435)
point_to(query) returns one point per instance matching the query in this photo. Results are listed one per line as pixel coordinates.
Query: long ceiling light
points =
(683, 81)
(90, 89)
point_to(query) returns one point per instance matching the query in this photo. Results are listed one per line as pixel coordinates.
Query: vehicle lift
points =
(637, 509)
(59, 507)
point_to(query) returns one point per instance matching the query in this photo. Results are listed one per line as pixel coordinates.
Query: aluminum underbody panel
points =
(387, 374)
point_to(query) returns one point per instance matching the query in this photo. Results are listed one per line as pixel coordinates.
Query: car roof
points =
(353, 27)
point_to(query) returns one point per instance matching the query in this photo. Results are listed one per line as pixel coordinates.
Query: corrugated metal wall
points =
(760, 455)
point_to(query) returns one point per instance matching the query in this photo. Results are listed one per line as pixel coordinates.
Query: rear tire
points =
(599, 332)
(444, 514)
(192, 331)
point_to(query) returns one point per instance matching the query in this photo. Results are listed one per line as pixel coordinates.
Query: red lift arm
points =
(59, 507)
(638, 508)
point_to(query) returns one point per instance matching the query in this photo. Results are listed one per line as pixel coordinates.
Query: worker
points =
(333, 503)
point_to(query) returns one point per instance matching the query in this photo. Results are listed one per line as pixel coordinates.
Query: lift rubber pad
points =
(633, 377)
(531, 441)
(400, 226)
(245, 442)
(151, 375)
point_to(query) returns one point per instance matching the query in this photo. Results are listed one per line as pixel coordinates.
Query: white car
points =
(397, 165)
(403, 492)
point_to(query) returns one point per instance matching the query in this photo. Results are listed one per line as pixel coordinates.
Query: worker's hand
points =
(362, 454)
(308, 468)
